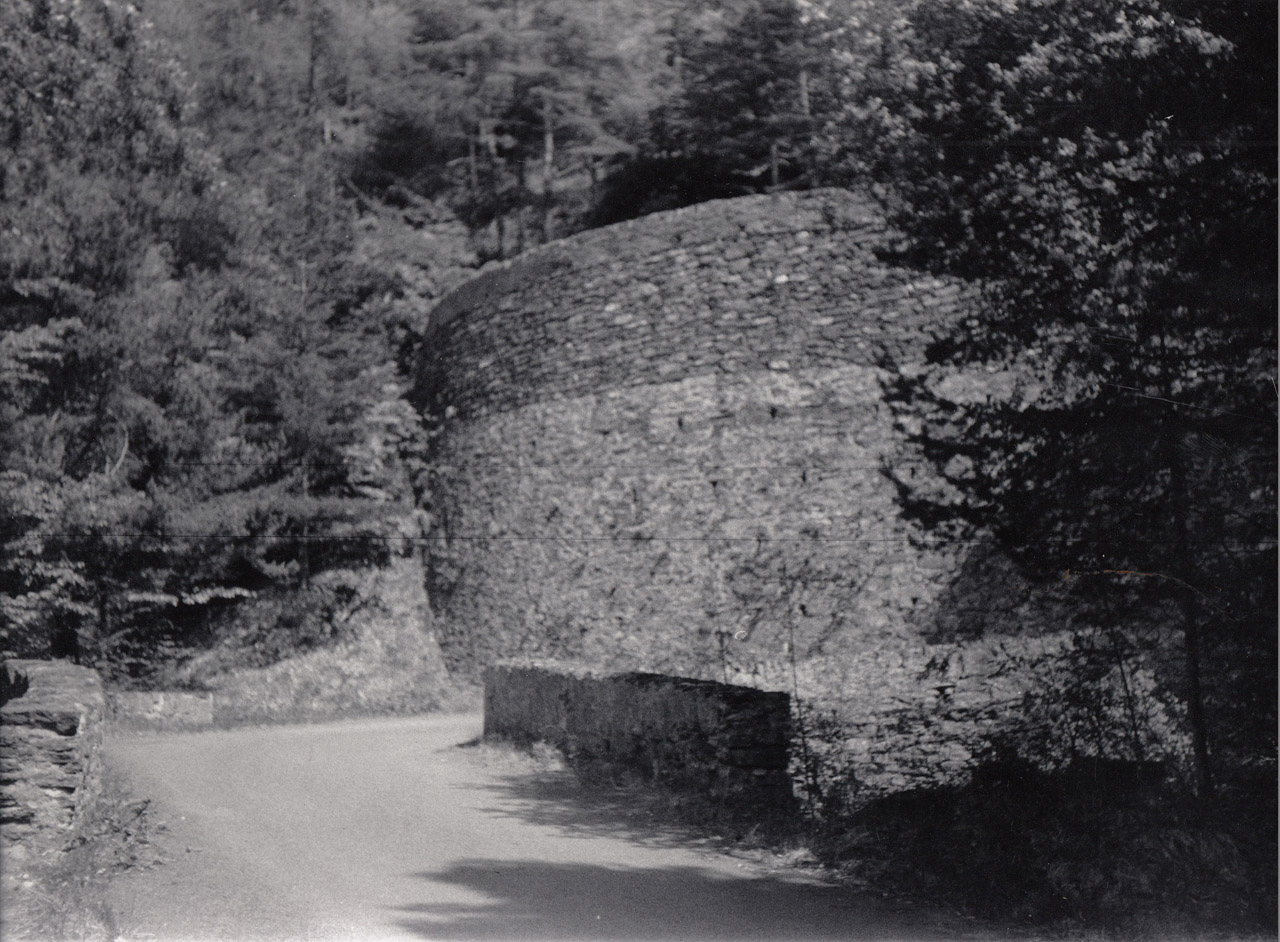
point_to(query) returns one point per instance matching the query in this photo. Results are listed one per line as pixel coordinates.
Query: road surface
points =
(388, 829)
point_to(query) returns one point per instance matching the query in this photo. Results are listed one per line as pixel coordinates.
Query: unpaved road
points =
(387, 829)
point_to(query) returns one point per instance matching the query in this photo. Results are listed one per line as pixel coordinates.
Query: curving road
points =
(387, 830)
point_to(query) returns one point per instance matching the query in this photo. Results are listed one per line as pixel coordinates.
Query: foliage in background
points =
(538, 118)
(213, 279)
(199, 368)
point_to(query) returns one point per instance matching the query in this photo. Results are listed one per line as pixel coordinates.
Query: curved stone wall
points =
(778, 283)
(664, 445)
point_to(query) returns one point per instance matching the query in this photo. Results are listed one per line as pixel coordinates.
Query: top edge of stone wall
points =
(52, 695)
(581, 671)
(820, 210)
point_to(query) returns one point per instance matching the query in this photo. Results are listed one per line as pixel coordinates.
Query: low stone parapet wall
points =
(725, 741)
(51, 724)
(161, 709)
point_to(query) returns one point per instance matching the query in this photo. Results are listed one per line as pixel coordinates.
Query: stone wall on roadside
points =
(720, 740)
(51, 727)
(160, 709)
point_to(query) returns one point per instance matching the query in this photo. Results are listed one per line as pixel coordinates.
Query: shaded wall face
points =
(721, 741)
(667, 445)
(691, 526)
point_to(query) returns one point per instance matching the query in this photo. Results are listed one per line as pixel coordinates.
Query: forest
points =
(223, 222)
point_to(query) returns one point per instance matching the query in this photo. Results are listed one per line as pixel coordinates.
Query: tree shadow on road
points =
(605, 802)
(768, 897)
(532, 899)
(623, 810)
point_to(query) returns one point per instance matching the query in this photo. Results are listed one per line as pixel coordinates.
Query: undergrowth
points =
(356, 643)
(1070, 853)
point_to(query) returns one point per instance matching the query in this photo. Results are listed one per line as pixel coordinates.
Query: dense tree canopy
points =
(223, 224)
(1106, 171)
(189, 363)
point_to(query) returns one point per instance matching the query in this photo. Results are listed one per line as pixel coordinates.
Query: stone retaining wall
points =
(50, 737)
(725, 741)
(778, 282)
(161, 709)
(662, 434)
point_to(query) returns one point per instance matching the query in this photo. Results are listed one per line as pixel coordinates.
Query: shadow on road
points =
(530, 899)
(655, 894)
(633, 813)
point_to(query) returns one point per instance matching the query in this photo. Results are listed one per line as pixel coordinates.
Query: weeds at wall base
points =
(62, 897)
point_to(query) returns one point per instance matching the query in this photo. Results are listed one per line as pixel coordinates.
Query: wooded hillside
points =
(225, 220)
(223, 223)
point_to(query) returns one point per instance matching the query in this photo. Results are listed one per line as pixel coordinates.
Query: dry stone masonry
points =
(661, 432)
(50, 737)
(786, 283)
(723, 741)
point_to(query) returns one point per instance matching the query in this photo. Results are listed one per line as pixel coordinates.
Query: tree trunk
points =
(499, 219)
(1189, 603)
(521, 188)
(313, 55)
(548, 164)
(103, 627)
(305, 550)
(473, 168)
(1172, 456)
(1195, 693)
